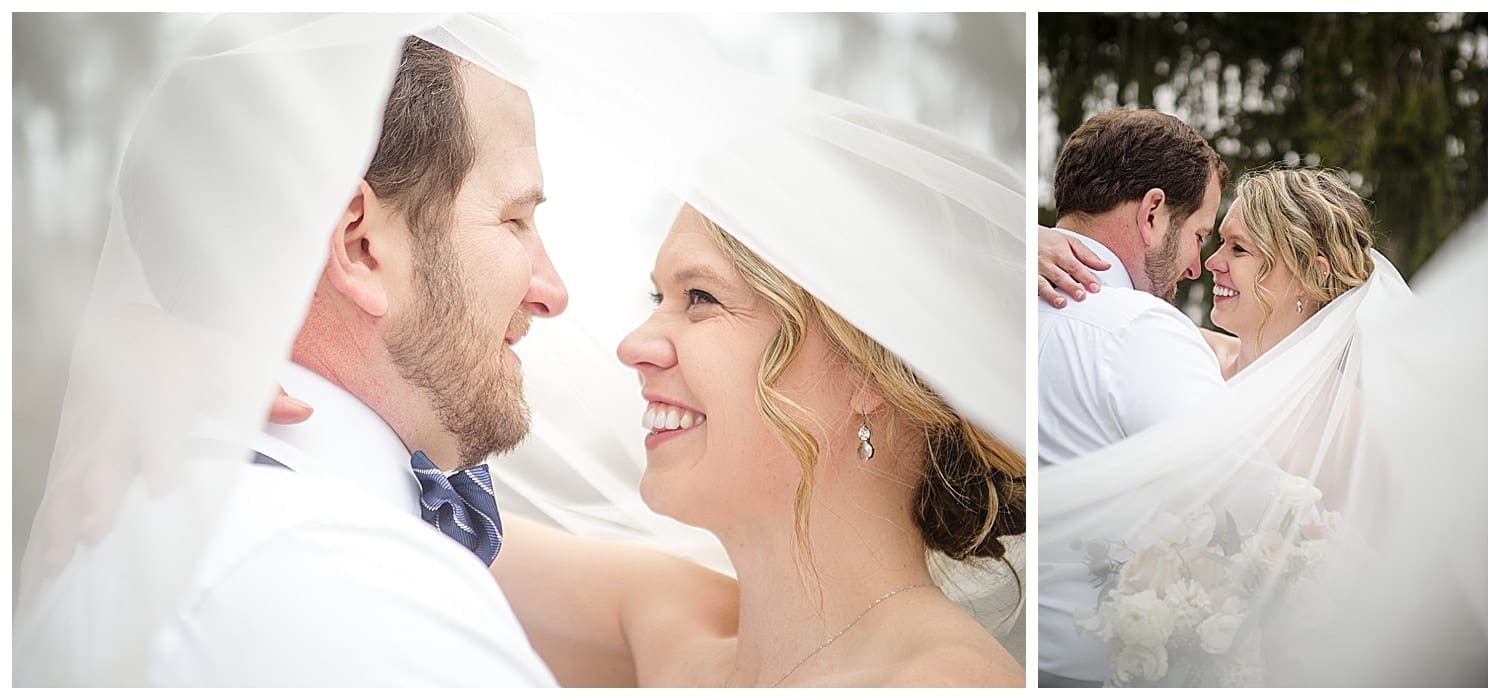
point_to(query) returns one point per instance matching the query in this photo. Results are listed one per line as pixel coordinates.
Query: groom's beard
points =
(442, 349)
(1161, 264)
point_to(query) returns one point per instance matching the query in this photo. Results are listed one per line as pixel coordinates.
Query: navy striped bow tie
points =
(462, 505)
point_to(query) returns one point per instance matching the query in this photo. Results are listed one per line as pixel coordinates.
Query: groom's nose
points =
(1195, 268)
(545, 296)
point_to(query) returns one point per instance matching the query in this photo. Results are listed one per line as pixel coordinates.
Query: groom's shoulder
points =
(1110, 310)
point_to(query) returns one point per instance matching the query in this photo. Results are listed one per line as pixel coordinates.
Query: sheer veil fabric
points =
(1379, 401)
(249, 148)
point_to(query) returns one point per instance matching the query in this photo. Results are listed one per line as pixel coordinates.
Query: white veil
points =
(1378, 401)
(246, 152)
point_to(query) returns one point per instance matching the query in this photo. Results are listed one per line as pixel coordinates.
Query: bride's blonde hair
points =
(1296, 215)
(973, 487)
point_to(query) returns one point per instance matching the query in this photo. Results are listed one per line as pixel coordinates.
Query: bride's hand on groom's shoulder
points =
(1062, 266)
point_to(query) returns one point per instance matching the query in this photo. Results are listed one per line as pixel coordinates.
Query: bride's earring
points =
(1299, 305)
(866, 450)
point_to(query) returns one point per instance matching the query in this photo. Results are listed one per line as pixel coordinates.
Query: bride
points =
(1313, 393)
(825, 467)
(846, 423)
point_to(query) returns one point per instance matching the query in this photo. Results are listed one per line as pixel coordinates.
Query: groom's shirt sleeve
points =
(1159, 366)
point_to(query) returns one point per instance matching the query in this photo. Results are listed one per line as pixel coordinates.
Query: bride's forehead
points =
(687, 241)
(689, 244)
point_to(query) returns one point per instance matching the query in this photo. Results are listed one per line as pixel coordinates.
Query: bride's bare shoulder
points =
(960, 665)
(952, 650)
(1225, 347)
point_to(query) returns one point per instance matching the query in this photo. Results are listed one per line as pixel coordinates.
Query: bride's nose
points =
(1215, 263)
(647, 348)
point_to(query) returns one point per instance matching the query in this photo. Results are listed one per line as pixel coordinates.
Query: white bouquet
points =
(1174, 604)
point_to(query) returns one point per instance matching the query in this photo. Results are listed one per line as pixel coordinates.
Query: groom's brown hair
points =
(1118, 156)
(426, 147)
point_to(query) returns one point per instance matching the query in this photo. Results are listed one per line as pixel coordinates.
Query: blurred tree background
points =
(1398, 101)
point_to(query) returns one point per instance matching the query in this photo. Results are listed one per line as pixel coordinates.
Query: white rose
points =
(1189, 603)
(1307, 555)
(1147, 663)
(1212, 573)
(1217, 633)
(1297, 492)
(1226, 600)
(1142, 619)
(1269, 548)
(1095, 622)
(1151, 570)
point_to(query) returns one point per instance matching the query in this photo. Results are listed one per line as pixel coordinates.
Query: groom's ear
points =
(358, 253)
(1151, 215)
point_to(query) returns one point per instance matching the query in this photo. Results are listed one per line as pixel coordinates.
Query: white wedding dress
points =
(1378, 402)
(245, 152)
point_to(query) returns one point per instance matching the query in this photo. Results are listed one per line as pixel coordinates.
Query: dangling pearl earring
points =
(866, 450)
(1299, 305)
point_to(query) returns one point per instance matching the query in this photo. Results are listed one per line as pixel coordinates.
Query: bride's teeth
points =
(660, 417)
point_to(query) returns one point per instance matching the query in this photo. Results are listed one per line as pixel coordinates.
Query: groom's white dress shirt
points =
(1108, 367)
(1114, 364)
(324, 573)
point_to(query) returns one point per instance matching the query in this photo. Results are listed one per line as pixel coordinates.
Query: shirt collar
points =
(1116, 275)
(344, 440)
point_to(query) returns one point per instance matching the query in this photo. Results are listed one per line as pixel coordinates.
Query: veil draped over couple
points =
(1299, 503)
(831, 382)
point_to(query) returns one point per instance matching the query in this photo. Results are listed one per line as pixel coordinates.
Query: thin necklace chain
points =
(847, 627)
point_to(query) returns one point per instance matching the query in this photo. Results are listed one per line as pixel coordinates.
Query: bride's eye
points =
(656, 298)
(1239, 249)
(698, 296)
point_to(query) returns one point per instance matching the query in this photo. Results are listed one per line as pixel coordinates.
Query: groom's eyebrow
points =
(530, 195)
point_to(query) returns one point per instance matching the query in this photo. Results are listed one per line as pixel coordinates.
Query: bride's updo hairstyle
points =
(1296, 215)
(972, 489)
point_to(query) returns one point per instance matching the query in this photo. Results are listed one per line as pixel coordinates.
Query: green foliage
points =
(1399, 101)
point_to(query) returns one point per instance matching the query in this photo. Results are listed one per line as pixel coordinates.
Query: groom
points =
(347, 556)
(1139, 190)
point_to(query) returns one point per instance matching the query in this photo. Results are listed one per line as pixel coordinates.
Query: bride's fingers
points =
(1087, 257)
(287, 410)
(1077, 275)
(1065, 280)
(1049, 294)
